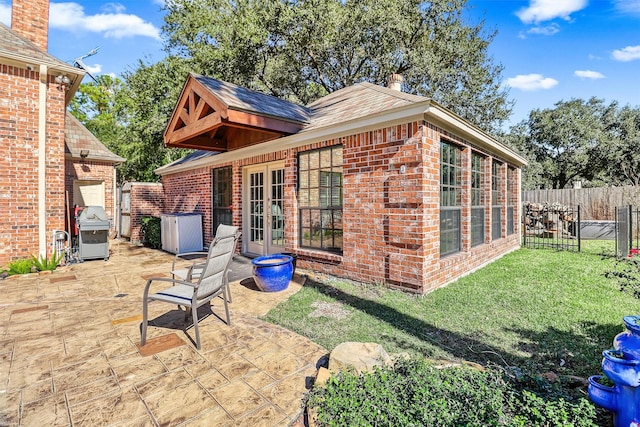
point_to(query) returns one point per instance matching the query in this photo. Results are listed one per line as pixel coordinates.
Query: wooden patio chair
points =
(212, 281)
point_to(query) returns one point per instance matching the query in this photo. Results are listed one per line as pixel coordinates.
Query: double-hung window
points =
(511, 199)
(477, 199)
(450, 199)
(496, 201)
(320, 199)
(221, 185)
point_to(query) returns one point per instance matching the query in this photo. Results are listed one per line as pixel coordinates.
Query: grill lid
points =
(93, 213)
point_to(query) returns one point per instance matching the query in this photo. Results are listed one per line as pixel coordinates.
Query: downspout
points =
(42, 152)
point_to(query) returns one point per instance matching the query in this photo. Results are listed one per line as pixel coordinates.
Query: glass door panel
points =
(264, 220)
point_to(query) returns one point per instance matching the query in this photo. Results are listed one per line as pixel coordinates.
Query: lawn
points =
(534, 310)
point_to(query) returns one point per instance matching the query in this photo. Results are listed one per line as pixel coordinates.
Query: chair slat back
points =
(219, 257)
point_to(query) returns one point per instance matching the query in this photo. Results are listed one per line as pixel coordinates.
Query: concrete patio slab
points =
(69, 354)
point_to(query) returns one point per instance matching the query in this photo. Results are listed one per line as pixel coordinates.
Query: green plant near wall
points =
(42, 263)
(20, 266)
(150, 230)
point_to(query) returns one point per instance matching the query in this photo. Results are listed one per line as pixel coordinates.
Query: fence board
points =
(597, 203)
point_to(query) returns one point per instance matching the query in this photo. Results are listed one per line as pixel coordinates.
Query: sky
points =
(551, 50)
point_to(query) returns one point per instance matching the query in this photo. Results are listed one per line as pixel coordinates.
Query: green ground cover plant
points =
(42, 263)
(534, 314)
(20, 266)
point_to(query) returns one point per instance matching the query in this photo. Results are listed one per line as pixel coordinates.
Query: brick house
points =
(367, 183)
(35, 162)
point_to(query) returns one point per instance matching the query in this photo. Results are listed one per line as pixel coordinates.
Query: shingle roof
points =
(77, 137)
(13, 45)
(240, 98)
(357, 101)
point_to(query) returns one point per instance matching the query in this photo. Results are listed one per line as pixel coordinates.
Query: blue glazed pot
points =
(272, 273)
(629, 340)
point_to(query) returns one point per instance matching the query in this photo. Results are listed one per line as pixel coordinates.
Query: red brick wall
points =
(19, 106)
(391, 208)
(92, 171)
(147, 199)
(30, 19)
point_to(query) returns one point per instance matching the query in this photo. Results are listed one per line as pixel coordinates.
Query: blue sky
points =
(552, 50)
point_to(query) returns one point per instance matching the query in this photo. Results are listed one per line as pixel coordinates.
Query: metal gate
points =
(551, 226)
(627, 231)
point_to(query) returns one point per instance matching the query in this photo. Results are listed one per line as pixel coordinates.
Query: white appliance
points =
(181, 232)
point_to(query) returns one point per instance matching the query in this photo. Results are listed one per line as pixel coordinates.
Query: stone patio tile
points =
(212, 379)
(288, 394)
(238, 398)
(170, 407)
(278, 363)
(51, 411)
(80, 375)
(120, 406)
(130, 371)
(93, 390)
(213, 417)
(179, 357)
(9, 418)
(258, 380)
(118, 347)
(71, 359)
(75, 345)
(20, 378)
(167, 380)
(235, 366)
(265, 416)
(37, 391)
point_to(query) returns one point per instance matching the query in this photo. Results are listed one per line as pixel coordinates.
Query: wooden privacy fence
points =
(595, 203)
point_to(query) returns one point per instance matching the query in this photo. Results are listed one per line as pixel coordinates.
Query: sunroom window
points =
(450, 199)
(478, 197)
(320, 199)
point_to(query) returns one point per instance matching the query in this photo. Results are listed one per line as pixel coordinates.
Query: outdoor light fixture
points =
(83, 155)
(63, 81)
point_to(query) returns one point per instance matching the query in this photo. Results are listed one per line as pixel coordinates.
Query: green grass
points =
(538, 310)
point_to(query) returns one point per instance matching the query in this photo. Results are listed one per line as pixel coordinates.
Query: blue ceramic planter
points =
(272, 273)
(622, 366)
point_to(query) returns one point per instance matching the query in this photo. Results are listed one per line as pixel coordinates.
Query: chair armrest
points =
(164, 279)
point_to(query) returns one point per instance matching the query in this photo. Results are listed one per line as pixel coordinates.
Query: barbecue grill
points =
(93, 230)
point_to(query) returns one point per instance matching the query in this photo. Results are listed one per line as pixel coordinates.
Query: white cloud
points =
(113, 8)
(531, 82)
(631, 7)
(629, 53)
(588, 74)
(547, 30)
(546, 10)
(5, 13)
(94, 69)
(71, 16)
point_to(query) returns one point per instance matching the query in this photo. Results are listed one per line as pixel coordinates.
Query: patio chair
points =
(212, 281)
(192, 272)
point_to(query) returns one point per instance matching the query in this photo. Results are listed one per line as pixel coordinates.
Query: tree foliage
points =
(302, 50)
(588, 141)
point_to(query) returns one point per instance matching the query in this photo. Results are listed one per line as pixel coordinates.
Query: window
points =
(496, 200)
(511, 199)
(477, 199)
(221, 184)
(450, 199)
(320, 199)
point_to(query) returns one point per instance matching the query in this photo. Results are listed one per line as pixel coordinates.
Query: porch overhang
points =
(205, 120)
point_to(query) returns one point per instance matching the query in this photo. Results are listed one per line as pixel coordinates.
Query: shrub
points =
(627, 273)
(414, 393)
(20, 266)
(42, 263)
(150, 230)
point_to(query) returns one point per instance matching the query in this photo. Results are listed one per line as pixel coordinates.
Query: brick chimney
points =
(30, 19)
(394, 81)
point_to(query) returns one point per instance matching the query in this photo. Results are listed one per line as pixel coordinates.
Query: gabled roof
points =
(348, 111)
(77, 137)
(221, 116)
(18, 51)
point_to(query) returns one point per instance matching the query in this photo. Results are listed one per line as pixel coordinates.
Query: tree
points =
(568, 143)
(146, 103)
(95, 107)
(302, 50)
(623, 157)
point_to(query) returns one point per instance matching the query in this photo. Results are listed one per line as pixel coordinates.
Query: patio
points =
(69, 357)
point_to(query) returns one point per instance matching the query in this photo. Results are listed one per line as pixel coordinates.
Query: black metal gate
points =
(551, 226)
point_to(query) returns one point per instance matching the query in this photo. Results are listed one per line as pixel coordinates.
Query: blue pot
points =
(272, 273)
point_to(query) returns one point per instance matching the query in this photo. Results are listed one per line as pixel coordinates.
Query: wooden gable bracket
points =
(196, 118)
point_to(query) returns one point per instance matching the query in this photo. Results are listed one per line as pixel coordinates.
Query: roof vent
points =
(395, 82)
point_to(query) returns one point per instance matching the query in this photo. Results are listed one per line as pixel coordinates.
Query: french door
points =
(263, 210)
